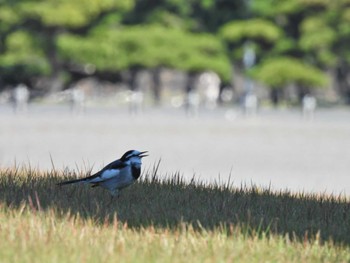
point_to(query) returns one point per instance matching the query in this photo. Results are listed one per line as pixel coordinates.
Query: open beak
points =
(143, 154)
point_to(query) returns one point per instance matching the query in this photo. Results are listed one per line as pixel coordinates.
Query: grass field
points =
(166, 220)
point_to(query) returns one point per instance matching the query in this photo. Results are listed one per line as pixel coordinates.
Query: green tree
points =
(316, 31)
(324, 38)
(192, 15)
(130, 48)
(278, 72)
(263, 33)
(50, 38)
(291, 38)
(30, 29)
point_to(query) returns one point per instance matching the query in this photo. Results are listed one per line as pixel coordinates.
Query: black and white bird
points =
(116, 175)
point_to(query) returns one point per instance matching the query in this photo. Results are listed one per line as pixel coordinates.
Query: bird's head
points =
(133, 156)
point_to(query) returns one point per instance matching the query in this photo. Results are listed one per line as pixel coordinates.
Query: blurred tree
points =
(23, 58)
(29, 31)
(130, 48)
(278, 72)
(192, 15)
(325, 35)
(316, 31)
(201, 16)
(56, 39)
(312, 31)
(262, 33)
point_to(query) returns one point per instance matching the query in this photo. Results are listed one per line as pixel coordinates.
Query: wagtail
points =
(116, 175)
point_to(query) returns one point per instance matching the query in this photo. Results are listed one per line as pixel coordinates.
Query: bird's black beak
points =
(143, 154)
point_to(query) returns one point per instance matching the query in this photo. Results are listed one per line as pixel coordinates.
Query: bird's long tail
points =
(72, 181)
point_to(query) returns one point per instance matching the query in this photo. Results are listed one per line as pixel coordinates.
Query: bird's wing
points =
(109, 171)
(118, 164)
(112, 180)
(104, 176)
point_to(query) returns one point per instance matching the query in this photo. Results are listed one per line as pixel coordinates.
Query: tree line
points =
(56, 42)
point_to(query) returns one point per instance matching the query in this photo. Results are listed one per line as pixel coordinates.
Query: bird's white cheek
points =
(136, 162)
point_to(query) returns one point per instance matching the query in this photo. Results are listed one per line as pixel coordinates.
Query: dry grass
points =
(166, 220)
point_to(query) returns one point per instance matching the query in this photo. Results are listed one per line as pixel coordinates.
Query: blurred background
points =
(258, 91)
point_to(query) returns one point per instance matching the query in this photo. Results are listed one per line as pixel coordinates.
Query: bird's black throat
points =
(136, 172)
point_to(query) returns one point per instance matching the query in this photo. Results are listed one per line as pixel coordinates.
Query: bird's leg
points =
(113, 194)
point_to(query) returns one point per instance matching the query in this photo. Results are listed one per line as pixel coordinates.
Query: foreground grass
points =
(44, 237)
(166, 221)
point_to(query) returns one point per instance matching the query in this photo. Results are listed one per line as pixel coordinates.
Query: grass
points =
(166, 220)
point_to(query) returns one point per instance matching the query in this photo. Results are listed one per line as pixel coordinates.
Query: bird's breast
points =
(136, 172)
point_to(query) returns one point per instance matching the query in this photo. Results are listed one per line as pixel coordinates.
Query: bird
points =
(116, 175)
